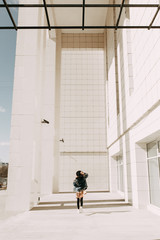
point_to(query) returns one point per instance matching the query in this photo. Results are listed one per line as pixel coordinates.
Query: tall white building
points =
(99, 89)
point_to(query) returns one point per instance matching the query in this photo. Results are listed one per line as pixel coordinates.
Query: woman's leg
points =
(78, 203)
(82, 202)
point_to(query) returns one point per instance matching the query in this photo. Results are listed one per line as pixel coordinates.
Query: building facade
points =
(100, 92)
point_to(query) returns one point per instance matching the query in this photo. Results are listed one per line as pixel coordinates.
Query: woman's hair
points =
(78, 173)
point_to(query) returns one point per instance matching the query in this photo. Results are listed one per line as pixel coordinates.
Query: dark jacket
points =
(80, 183)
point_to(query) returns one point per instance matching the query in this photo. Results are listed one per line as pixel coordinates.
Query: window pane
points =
(121, 187)
(120, 174)
(154, 181)
(159, 147)
(152, 149)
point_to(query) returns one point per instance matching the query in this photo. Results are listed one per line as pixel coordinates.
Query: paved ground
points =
(56, 218)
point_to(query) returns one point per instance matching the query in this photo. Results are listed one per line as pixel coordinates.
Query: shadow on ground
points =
(94, 213)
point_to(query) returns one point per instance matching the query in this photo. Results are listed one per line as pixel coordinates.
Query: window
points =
(153, 155)
(120, 174)
(152, 149)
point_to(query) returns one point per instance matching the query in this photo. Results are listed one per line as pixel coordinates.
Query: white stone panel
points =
(94, 164)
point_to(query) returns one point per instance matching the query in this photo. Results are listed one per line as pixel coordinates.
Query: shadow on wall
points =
(123, 77)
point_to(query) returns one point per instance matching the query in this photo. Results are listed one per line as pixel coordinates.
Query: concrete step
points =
(54, 205)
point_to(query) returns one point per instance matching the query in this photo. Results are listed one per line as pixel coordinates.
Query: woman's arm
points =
(75, 183)
(85, 175)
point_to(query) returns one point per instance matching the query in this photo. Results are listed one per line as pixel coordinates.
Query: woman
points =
(80, 185)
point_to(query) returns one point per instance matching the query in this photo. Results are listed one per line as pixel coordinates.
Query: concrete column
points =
(33, 87)
(47, 113)
(125, 169)
(142, 175)
(57, 113)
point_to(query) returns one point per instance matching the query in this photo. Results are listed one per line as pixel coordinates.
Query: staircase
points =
(91, 200)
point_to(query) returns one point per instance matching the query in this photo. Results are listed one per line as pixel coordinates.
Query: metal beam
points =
(42, 5)
(120, 13)
(80, 27)
(83, 6)
(141, 5)
(80, 5)
(10, 15)
(45, 7)
(154, 18)
(83, 15)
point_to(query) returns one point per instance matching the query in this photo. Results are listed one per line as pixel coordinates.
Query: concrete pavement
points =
(106, 216)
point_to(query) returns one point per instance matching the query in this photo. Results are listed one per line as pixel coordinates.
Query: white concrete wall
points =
(83, 111)
(95, 164)
(138, 64)
(3, 196)
(33, 99)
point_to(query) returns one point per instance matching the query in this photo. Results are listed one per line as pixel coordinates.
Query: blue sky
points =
(7, 62)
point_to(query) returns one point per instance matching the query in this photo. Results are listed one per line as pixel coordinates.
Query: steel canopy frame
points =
(10, 15)
(83, 15)
(120, 13)
(82, 6)
(46, 11)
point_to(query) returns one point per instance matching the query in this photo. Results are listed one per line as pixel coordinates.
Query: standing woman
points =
(80, 185)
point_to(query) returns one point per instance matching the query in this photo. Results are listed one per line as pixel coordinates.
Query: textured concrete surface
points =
(106, 216)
